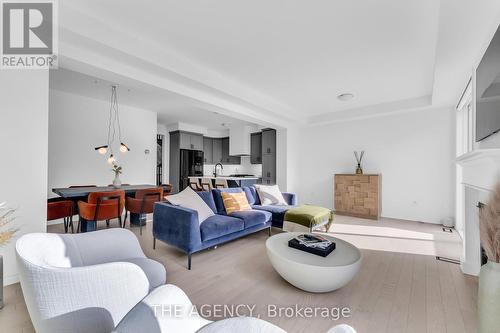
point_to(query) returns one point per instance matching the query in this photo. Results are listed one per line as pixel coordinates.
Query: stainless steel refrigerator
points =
(191, 166)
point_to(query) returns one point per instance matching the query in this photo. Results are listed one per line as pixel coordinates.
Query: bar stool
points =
(206, 184)
(194, 183)
(61, 209)
(101, 206)
(142, 204)
(221, 183)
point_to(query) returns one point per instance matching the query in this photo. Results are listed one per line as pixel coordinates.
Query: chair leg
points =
(120, 222)
(125, 219)
(71, 223)
(154, 243)
(269, 230)
(107, 223)
(79, 220)
(140, 228)
(189, 261)
(65, 225)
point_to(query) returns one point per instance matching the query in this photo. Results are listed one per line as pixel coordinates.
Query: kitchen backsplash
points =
(244, 168)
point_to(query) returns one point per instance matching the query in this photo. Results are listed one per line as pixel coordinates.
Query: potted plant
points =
(6, 234)
(489, 276)
(118, 171)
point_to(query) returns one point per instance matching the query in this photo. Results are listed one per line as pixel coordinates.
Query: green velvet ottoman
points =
(306, 218)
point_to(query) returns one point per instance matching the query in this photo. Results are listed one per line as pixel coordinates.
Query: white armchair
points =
(86, 283)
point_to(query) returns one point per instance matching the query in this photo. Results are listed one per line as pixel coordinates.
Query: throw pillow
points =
(235, 202)
(188, 198)
(270, 195)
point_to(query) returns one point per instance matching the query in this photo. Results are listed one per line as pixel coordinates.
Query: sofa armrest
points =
(290, 198)
(177, 226)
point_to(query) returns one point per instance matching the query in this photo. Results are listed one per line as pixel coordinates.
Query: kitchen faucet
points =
(215, 169)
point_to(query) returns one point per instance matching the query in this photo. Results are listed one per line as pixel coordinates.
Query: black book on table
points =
(317, 251)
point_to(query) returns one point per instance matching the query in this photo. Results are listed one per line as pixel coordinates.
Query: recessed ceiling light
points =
(345, 97)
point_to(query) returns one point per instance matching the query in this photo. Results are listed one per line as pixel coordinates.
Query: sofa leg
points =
(269, 231)
(189, 261)
(154, 243)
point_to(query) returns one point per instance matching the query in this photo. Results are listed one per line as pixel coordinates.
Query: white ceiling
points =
(171, 108)
(290, 59)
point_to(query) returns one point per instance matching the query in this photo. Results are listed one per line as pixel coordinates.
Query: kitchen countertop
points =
(227, 177)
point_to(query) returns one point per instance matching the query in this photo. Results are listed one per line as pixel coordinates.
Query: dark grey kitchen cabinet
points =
(226, 158)
(192, 141)
(268, 156)
(268, 169)
(216, 150)
(256, 148)
(207, 150)
(269, 141)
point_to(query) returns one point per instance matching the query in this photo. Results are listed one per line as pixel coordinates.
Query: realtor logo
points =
(29, 33)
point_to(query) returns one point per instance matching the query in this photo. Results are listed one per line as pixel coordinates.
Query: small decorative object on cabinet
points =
(6, 235)
(489, 275)
(357, 195)
(117, 170)
(359, 158)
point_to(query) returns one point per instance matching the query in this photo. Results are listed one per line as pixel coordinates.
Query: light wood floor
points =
(401, 287)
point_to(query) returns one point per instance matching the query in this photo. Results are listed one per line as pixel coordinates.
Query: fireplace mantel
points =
(478, 173)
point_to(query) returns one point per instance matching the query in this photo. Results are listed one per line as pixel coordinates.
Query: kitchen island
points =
(232, 181)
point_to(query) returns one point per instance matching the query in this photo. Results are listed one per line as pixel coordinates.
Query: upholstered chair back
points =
(78, 281)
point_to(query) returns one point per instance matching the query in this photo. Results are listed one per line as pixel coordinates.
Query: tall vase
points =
(117, 182)
(489, 298)
(1, 281)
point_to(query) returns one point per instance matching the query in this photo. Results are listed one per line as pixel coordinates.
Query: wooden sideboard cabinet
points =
(357, 195)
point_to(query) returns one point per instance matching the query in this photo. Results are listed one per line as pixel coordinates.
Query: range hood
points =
(239, 139)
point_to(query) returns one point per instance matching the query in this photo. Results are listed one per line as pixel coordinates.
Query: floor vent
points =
(446, 229)
(451, 261)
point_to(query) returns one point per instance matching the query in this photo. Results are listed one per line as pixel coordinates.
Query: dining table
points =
(81, 193)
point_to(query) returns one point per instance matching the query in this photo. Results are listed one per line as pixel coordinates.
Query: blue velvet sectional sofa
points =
(179, 227)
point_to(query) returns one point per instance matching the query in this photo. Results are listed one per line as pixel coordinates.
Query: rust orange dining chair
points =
(61, 209)
(102, 206)
(142, 203)
(167, 189)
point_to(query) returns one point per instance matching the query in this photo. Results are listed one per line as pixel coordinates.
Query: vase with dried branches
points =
(489, 276)
(359, 158)
(6, 235)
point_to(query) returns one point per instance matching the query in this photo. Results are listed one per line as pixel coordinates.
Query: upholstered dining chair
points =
(102, 206)
(98, 282)
(61, 209)
(167, 189)
(142, 203)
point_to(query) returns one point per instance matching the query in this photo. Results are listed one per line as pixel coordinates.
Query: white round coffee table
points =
(310, 272)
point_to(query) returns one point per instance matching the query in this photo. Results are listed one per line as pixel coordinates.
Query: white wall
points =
(413, 151)
(23, 152)
(77, 124)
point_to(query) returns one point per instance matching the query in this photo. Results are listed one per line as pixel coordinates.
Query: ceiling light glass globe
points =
(102, 150)
(111, 159)
(123, 148)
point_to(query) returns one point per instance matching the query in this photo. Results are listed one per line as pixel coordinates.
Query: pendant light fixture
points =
(113, 128)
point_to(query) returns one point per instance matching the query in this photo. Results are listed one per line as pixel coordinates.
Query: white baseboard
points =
(11, 279)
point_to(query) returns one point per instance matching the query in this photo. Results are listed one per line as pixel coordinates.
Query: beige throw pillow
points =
(270, 195)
